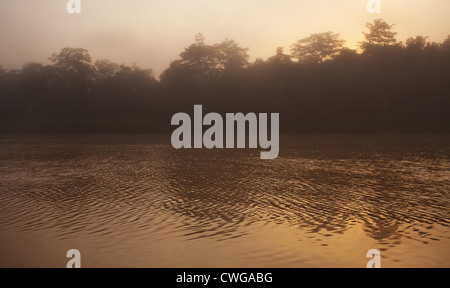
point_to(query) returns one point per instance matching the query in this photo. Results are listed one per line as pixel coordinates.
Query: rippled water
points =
(134, 201)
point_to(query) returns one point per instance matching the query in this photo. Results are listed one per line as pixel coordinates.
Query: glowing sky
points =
(154, 32)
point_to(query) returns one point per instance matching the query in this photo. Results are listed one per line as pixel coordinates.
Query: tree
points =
(201, 62)
(105, 69)
(380, 34)
(198, 60)
(72, 59)
(317, 48)
(231, 57)
(34, 75)
(134, 77)
(446, 43)
(280, 57)
(73, 65)
(416, 44)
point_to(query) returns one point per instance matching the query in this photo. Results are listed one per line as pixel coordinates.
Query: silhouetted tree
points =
(388, 88)
(317, 48)
(416, 44)
(280, 58)
(231, 57)
(105, 69)
(73, 68)
(197, 64)
(202, 63)
(446, 43)
(73, 60)
(380, 34)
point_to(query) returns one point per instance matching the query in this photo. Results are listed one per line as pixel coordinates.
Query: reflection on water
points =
(137, 202)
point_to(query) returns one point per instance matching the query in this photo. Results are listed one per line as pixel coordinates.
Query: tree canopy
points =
(393, 87)
(380, 34)
(317, 48)
(419, 43)
(280, 57)
(201, 62)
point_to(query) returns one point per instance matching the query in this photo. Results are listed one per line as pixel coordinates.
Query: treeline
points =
(320, 86)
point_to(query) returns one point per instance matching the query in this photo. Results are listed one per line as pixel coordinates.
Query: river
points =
(134, 201)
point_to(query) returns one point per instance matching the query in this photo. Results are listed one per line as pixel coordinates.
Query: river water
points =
(134, 201)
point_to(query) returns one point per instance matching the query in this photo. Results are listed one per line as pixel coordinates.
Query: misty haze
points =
(364, 146)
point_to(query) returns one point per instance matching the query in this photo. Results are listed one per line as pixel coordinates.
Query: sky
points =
(152, 33)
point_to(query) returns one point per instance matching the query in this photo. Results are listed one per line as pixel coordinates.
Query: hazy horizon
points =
(105, 165)
(153, 33)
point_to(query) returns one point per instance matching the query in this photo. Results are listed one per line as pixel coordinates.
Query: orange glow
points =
(153, 33)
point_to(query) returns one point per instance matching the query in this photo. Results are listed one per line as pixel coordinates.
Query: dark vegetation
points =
(321, 86)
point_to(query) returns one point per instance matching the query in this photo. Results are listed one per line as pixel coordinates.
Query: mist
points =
(152, 33)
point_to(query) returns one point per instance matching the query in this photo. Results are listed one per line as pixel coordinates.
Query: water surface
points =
(134, 201)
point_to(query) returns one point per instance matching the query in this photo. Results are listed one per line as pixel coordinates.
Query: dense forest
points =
(319, 86)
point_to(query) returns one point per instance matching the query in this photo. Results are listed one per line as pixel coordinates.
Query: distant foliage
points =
(317, 48)
(322, 86)
(380, 34)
